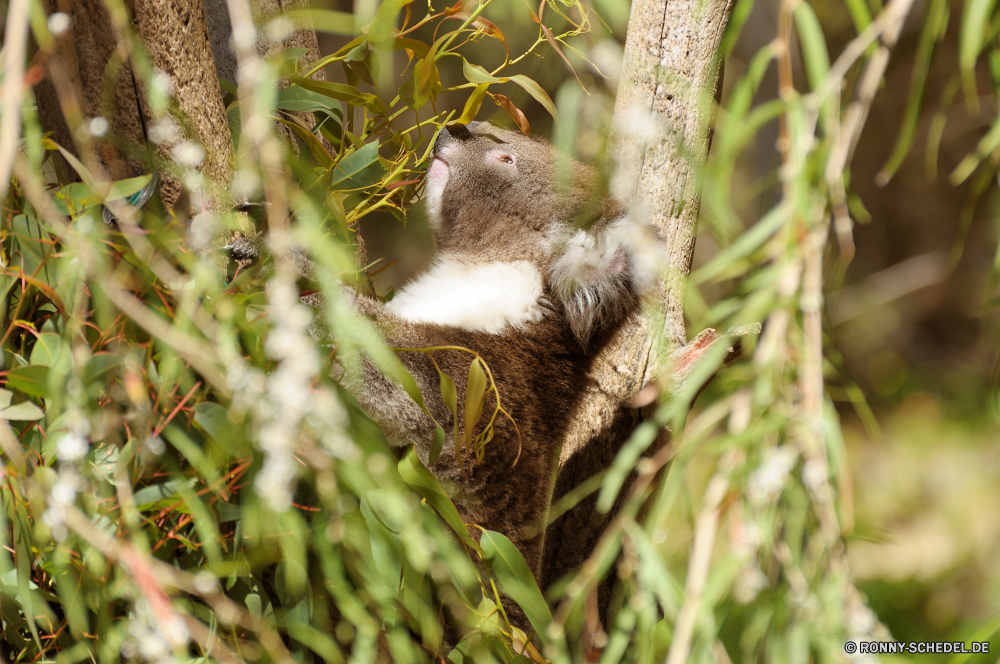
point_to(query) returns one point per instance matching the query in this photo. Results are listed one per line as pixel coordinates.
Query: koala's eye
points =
(506, 158)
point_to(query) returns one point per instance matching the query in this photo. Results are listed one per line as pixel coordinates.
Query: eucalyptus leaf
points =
(24, 411)
(358, 170)
(475, 395)
(33, 380)
(516, 579)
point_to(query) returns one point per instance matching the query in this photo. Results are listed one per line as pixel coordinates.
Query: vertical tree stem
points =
(14, 43)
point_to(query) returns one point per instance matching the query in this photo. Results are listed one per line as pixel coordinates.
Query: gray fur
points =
(493, 199)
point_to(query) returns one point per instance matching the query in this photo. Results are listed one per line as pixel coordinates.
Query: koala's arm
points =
(386, 402)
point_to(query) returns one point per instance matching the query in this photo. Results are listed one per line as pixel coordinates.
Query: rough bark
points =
(300, 35)
(658, 147)
(85, 56)
(175, 33)
(188, 40)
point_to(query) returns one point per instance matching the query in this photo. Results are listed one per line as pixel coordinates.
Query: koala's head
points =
(497, 195)
(494, 192)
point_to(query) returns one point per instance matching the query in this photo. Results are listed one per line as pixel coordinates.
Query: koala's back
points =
(540, 372)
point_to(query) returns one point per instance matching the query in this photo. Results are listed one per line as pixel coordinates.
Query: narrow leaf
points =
(476, 74)
(358, 170)
(516, 579)
(514, 112)
(549, 37)
(975, 19)
(416, 475)
(437, 445)
(536, 91)
(473, 104)
(475, 394)
(316, 148)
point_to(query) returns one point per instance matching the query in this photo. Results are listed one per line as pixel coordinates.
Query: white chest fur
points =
(488, 297)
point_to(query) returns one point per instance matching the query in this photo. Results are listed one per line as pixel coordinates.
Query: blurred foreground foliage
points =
(184, 482)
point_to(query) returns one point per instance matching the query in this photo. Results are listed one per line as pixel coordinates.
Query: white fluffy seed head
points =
(164, 131)
(279, 29)
(98, 126)
(59, 23)
(188, 153)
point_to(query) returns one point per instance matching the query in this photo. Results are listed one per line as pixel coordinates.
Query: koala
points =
(534, 269)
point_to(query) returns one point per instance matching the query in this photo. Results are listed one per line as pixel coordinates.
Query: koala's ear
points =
(599, 274)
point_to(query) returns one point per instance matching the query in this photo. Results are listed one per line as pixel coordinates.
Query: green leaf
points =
(934, 23)
(358, 170)
(100, 364)
(472, 104)
(475, 394)
(32, 380)
(423, 85)
(149, 496)
(387, 549)
(341, 92)
(229, 86)
(969, 164)
(742, 247)
(51, 351)
(383, 24)
(316, 148)
(437, 445)
(536, 91)
(214, 419)
(813, 43)
(450, 396)
(192, 452)
(478, 75)
(860, 13)
(416, 475)
(975, 20)
(405, 378)
(327, 20)
(125, 188)
(25, 411)
(294, 98)
(624, 463)
(515, 578)
(418, 48)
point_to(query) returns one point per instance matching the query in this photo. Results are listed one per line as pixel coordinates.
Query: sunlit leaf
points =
(32, 380)
(515, 578)
(416, 475)
(473, 104)
(975, 19)
(475, 394)
(514, 112)
(358, 170)
(24, 411)
(536, 91)
(295, 98)
(383, 25)
(476, 74)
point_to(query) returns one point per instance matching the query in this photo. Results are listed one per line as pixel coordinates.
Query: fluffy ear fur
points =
(600, 274)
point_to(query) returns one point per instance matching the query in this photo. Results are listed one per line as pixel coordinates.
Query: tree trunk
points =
(175, 33)
(188, 40)
(659, 145)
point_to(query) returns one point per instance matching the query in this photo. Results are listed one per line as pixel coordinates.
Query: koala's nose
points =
(450, 135)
